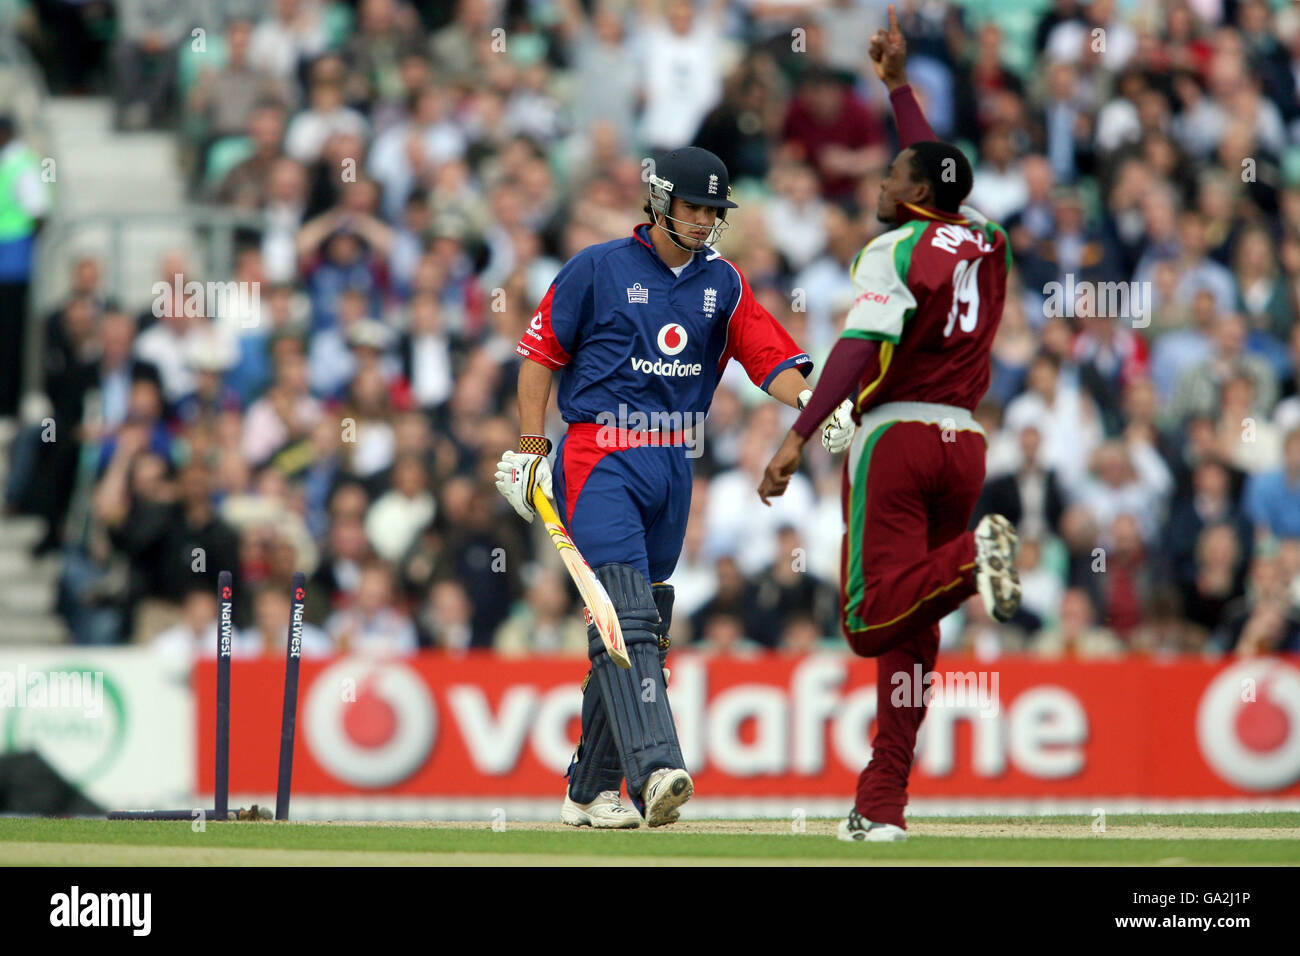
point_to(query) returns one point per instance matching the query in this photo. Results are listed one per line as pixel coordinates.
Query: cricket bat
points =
(599, 606)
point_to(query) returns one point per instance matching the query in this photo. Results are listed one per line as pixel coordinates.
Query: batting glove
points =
(837, 435)
(518, 474)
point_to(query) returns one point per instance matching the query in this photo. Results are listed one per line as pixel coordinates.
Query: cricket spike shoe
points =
(606, 812)
(664, 792)
(858, 829)
(996, 578)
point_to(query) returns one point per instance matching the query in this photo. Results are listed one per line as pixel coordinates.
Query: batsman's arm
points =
(534, 393)
(787, 385)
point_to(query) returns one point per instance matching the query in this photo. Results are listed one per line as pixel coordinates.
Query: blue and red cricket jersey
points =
(632, 340)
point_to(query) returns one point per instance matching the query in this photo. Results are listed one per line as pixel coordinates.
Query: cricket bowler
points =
(914, 357)
(639, 330)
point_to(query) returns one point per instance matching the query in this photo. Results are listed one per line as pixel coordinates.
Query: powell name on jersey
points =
(622, 330)
(931, 292)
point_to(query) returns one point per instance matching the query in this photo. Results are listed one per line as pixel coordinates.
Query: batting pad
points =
(635, 700)
(596, 766)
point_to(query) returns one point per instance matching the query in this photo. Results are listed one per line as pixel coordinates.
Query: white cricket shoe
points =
(996, 578)
(858, 829)
(606, 812)
(664, 792)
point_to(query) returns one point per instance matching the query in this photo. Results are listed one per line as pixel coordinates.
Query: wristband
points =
(534, 445)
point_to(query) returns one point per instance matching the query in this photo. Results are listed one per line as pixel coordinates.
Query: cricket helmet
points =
(693, 175)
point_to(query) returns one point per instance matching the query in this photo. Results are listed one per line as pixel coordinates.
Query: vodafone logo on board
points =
(370, 723)
(1248, 725)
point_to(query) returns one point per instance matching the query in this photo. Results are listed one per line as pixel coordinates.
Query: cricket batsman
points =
(640, 329)
(914, 358)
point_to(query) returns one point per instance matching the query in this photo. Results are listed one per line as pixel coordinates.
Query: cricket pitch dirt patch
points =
(915, 828)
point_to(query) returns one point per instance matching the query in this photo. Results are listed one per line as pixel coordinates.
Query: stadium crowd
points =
(418, 173)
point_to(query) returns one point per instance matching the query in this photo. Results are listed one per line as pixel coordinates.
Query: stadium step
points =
(102, 171)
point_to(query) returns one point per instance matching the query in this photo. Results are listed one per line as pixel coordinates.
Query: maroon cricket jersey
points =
(931, 293)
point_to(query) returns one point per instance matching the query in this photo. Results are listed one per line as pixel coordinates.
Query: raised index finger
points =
(893, 20)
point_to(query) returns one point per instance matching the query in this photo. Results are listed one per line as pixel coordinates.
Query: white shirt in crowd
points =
(431, 373)
(166, 349)
(309, 130)
(1069, 429)
(739, 525)
(683, 81)
(394, 521)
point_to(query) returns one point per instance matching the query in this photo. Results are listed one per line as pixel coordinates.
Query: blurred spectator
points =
(738, 130)
(396, 519)
(796, 216)
(1127, 580)
(287, 412)
(735, 526)
(1062, 414)
(195, 635)
(374, 623)
(828, 128)
(1272, 498)
(1127, 478)
(731, 599)
(1219, 580)
(446, 617)
(1000, 189)
(407, 153)
(1209, 501)
(325, 114)
(1200, 389)
(1266, 620)
(785, 591)
(293, 34)
(605, 89)
(1181, 349)
(1030, 498)
(724, 635)
(266, 637)
(224, 99)
(145, 58)
(1041, 586)
(1076, 634)
(682, 79)
(246, 184)
(482, 553)
(544, 622)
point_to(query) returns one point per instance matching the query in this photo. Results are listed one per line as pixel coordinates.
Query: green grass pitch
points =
(1156, 839)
